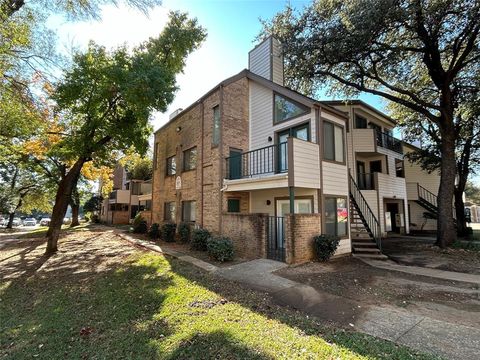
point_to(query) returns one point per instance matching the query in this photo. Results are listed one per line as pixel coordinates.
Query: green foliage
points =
(154, 232)
(140, 168)
(184, 232)
(472, 193)
(93, 204)
(325, 246)
(199, 239)
(139, 225)
(220, 248)
(167, 232)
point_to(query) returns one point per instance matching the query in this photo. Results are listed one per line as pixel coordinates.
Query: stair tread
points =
(372, 256)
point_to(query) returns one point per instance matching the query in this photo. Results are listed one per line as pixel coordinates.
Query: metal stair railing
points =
(431, 199)
(373, 226)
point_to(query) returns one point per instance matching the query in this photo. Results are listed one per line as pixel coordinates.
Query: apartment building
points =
(270, 168)
(128, 197)
(257, 162)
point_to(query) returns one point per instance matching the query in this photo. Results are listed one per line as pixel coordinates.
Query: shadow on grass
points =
(215, 345)
(261, 303)
(76, 307)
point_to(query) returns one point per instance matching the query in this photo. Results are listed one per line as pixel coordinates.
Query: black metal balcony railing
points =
(268, 160)
(387, 141)
(366, 181)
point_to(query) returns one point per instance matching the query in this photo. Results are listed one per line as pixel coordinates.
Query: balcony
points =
(366, 181)
(388, 142)
(292, 163)
(372, 140)
(119, 197)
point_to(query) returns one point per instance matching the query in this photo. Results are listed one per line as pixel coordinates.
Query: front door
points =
(361, 175)
(300, 132)
(392, 208)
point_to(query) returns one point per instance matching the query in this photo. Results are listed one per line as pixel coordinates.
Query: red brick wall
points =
(248, 233)
(299, 232)
(120, 217)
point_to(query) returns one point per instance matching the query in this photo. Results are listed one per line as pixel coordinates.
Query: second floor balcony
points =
(373, 140)
(291, 163)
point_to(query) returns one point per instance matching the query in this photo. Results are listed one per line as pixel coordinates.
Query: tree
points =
(467, 148)
(418, 54)
(93, 204)
(105, 102)
(138, 167)
(472, 192)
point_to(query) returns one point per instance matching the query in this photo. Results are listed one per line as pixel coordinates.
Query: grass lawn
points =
(99, 298)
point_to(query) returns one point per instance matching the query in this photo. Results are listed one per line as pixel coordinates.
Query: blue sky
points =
(232, 26)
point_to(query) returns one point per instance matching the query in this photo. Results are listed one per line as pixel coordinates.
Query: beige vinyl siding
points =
(363, 140)
(416, 217)
(258, 199)
(335, 179)
(123, 197)
(277, 62)
(261, 118)
(372, 200)
(306, 164)
(259, 60)
(415, 174)
(390, 153)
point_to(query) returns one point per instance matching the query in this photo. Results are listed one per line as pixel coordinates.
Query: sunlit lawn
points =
(100, 303)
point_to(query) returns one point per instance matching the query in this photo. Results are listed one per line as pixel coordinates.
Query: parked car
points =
(16, 222)
(29, 222)
(45, 222)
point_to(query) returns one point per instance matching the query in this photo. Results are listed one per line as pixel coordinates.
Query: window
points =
(399, 168)
(233, 205)
(216, 126)
(285, 109)
(135, 188)
(360, 122)
(190, 159)
(170, 211)
(155, 156)
(336, 216)
(188, 211)
(333, 147)
(171, 166)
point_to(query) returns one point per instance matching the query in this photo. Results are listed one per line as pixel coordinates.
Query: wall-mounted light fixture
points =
(270, 139)
(178, 129)
(268, 202)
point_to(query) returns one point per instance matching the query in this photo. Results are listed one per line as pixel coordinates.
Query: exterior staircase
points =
(364, 227)
(428, 201)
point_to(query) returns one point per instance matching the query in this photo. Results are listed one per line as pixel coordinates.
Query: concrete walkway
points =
(446, 339)
(423, 271)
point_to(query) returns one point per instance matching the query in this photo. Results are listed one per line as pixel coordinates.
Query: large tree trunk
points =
(62, 200)
(11, 216)
(75, 205)
(446, 233)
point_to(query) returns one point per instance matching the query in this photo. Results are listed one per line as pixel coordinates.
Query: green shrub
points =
(167, 232)
(325, 246)
(154, 232)
(95, 219)
(139, 225)
(184, 232)
(220, 248)
(199, 239)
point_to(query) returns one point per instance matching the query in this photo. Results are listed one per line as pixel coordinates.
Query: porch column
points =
(291, 191)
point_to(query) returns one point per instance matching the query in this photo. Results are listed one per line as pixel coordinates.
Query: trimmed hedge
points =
(167, 232)
(199, 239)
(220, 248)
(325, 246)
(184, 232)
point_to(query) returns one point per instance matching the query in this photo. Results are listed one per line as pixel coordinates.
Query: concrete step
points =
(371, 256)
(363, 239)
(363, 234)
(360, 250)
(364, 244)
